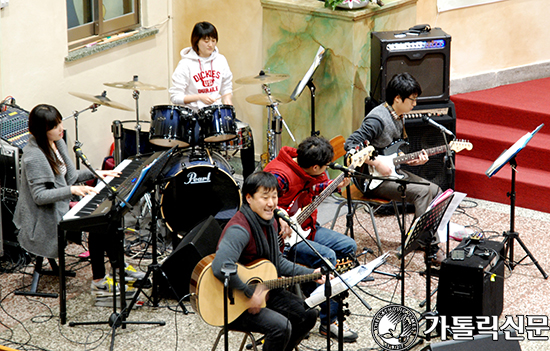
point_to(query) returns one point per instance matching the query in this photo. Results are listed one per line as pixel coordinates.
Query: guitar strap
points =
(397, 117)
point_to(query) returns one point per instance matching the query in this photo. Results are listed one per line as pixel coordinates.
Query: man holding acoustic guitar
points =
(381, 128)
(250, 235)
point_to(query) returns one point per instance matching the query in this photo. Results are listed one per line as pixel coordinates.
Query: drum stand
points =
(274, 122)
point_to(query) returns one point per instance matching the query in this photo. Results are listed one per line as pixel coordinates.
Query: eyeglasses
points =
(412, 99)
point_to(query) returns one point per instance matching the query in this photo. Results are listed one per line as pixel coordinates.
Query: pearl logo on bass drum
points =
(192, 178)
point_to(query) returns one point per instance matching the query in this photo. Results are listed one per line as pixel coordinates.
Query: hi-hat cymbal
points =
(134, 84)
(101, 100)
(263, 78)
(262, 99)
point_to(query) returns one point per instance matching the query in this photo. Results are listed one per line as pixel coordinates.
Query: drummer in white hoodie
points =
(203, 78)
(203, 74)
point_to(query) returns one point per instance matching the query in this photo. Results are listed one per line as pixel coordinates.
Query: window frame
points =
(89, 32)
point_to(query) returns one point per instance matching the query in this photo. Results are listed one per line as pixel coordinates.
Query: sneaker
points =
(349, 335)
(132, 274)
(103, 287)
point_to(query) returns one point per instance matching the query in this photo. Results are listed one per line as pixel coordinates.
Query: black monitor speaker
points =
(426, 56)
(178, 267)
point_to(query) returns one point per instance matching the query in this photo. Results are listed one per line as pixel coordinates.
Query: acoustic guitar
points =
(207, 290)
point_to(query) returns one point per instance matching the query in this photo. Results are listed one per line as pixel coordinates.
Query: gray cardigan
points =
(43, 198)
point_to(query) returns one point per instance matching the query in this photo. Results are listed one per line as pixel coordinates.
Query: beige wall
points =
(492, 37)
(33, 47)
(239, 25)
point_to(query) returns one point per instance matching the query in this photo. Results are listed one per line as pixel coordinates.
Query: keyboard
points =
(93, 210)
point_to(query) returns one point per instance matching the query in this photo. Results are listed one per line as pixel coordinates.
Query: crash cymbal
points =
(262, 99)
(134, 84)
(101, 100)
(263, 78)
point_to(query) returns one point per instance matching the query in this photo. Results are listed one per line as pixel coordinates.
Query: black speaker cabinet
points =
(468, 287)
(423, 136)
(427, 57)
(480, 342)
(200, 242)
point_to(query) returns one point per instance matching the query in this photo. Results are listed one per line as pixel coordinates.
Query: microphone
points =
(80, 154)
(339, 167)
(279, 213)
(437, 125)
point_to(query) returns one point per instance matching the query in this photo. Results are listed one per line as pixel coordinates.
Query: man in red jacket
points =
(301, 175)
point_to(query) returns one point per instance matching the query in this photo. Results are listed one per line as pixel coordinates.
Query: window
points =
(89, 19)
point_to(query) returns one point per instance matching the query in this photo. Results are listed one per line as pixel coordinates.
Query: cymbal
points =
(101, 100)
(134, 84)
(263, 78)
(262, 99)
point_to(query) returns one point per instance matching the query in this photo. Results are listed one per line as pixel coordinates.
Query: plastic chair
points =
(358, 199)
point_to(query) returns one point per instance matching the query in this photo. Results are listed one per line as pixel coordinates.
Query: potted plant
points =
(350, 4)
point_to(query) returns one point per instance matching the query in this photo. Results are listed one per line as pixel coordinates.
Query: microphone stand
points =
(450, 167)
(328, 268)
(403, 189)
(75, 115)
(113, 192)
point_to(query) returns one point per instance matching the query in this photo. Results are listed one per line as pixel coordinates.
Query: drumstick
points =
(228, 93)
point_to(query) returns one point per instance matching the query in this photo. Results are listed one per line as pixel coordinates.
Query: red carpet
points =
(493, 120)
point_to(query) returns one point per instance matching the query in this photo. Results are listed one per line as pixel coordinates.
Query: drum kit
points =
(198, 171)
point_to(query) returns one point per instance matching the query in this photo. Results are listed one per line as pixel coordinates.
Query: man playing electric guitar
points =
(383, 126)
(301, 176)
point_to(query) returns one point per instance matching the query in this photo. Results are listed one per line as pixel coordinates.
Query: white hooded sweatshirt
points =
(198, 75)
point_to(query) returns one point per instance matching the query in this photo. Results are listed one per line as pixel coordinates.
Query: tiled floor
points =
(34, 322)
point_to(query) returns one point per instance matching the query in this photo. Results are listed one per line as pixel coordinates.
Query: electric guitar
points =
(299, 215)
(390, 156)
(207, 291)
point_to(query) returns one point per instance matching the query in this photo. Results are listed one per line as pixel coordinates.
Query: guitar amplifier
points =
(423, 136)
(474, 286)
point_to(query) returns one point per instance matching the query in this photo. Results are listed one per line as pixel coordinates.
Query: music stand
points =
(509, 156)
(423, 230)
(308, 81)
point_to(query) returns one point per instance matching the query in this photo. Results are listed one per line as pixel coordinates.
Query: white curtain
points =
(446, 5)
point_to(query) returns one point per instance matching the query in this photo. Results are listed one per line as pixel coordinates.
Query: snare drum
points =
(243, 140)
(217, 123)
(198, 188)
(172, 125)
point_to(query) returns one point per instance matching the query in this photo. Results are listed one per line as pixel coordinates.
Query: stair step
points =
(531, 184)
(489, 141)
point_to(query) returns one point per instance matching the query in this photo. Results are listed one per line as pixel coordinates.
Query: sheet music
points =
(352, 278)
(511, 152)
(441, 230)
(302, 84)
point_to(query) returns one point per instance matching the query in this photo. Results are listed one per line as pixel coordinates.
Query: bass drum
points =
(199, 186)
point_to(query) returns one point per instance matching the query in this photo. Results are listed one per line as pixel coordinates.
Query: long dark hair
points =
(42, 119)
(202, 30)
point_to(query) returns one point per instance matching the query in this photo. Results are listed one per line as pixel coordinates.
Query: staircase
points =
(493, 120)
